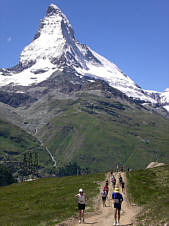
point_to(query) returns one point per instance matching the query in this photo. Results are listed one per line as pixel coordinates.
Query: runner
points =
(111, 171)
(106, 188)
(117, 168)
(122, 186)
(120, 178)
(82, 198)
(107, 182)
(104, 196)
(114, 182)
(118, 199)
(112, 178)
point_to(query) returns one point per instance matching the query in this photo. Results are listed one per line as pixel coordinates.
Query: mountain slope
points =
(14, 143)
(46, 201)
(98, 131)
(154, 200)
(85, 122)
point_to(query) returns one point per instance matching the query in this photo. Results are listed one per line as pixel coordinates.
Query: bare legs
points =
(123, 190)
(116, 215)
(104, 202)
(81, 215)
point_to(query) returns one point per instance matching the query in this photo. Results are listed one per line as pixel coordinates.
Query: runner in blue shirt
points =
(118, 199)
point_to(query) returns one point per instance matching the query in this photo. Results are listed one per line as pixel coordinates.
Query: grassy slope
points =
(150, 189)
(45, 201)
(98, 134)
(14, 142)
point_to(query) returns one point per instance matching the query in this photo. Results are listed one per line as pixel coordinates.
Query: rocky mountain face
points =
(71, 99)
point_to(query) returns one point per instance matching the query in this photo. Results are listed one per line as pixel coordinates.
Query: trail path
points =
(104, 216)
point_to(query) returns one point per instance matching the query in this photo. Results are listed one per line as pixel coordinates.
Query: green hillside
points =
(14, 142)
(97, 132)
(45, 201)
(88, 125)
(149, 188)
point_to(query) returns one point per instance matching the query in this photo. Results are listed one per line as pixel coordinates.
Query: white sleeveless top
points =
(81, 198)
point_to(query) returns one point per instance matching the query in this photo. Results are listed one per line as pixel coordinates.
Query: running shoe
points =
(114, 223)
(79, 221)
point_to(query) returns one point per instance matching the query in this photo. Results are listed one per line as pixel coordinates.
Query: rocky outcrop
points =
(154, 164)
(16, 99)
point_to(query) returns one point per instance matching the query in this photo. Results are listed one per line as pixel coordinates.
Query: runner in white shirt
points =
(82, 198)
(104, 196)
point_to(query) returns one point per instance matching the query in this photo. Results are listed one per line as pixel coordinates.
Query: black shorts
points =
(117, 206)
(103, 198)
(81, 206)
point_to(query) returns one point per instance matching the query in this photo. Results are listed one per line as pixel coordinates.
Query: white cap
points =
(80, 190)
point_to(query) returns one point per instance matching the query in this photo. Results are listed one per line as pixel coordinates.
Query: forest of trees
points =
(71, 169)
(6, 177)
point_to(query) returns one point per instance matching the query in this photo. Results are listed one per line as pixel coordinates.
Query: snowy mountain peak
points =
(55, 47)
(53, 9)
(50, 40)
(166, 90)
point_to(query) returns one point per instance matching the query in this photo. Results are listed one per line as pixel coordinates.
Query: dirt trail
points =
(104, 216)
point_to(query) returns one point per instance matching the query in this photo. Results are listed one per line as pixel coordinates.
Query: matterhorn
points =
(78, 108)
(55, 49)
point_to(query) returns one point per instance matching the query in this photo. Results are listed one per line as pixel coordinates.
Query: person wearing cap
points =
(82, 198)
(118, 199)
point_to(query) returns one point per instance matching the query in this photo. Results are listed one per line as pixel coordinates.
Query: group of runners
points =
(121, 182)
(116, 197)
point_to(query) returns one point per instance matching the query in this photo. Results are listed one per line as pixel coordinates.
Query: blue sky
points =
(133, 34)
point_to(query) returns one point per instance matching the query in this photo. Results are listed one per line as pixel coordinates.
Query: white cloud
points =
(9, 39)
